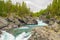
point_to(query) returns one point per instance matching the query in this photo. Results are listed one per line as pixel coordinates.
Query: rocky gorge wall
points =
(15, 22)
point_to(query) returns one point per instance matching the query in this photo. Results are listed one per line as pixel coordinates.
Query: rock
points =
(51, 22)
(58, 21)
(55, 24)
(21, 21)
(10, 26)
(10, 19)
(3, 22)
(13, 22)
(42, 17)
(55, 27)
(44, 33)
(35, 22)
(0, 32)
(46, 21)
(17, 22)
(29, 20)
(32, 22)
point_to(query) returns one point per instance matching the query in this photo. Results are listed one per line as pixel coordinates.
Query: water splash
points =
(24, 36)
(41, 23)
(7, 36)
(24, 28)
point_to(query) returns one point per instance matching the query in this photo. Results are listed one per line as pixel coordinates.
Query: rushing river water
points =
(22, 33)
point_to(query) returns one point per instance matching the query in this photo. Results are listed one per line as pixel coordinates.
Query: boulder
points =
(3, 22)
(0, 32)
(16, 21)
(46, 21)
(10, 26)
(29, 20)
(58, 21)
(44, 33)
(55, 24)
(32, 22)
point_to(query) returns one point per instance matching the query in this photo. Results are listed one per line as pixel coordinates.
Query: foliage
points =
(7, 8)
(41, 12)
(52, 10)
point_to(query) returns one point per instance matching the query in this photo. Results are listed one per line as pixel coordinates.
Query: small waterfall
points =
(41, 23)
(7, 36)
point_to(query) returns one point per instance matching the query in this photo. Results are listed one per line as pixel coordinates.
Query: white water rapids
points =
(7, 36)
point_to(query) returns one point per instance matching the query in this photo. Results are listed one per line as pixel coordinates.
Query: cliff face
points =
(46, 33)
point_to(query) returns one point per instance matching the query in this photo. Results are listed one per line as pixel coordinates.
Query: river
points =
(22, 33)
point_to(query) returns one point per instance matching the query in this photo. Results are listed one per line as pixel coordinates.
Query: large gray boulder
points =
(3, 22)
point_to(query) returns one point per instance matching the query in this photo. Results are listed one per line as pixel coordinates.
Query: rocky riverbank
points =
(15, 22)
(48, 20)
(46, 33)
(50, 32)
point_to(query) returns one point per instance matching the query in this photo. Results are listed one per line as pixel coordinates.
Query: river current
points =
(22, 33)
